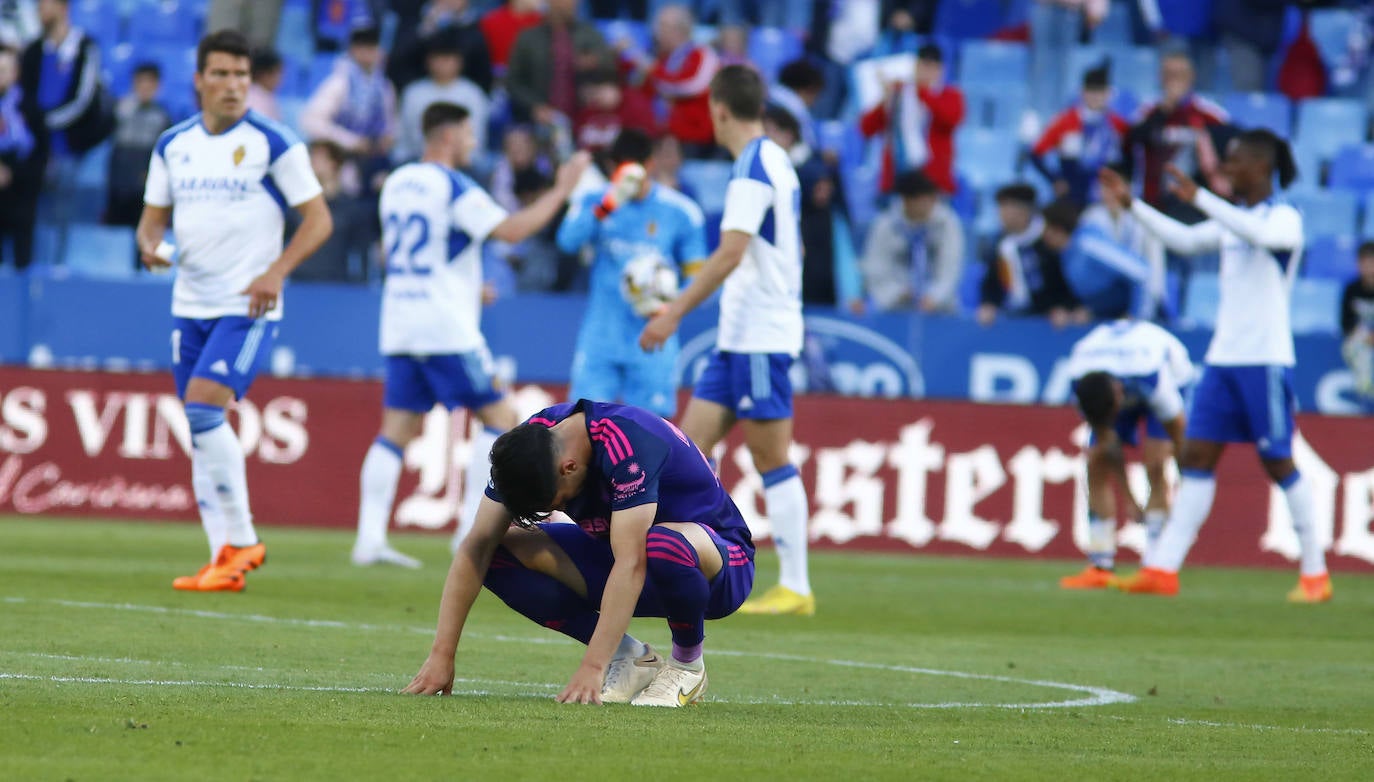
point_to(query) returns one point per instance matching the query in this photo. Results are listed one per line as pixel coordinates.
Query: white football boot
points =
(627, 676)
(365, 556)
(674, 686)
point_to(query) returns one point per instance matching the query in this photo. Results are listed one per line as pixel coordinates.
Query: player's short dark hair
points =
(365, 34)
(914, 184)
(1275, 150)
(930, 53)
(1017, 193)
(1063, 214)
(801, 74)
(631, 145)
(783, 119)
(1366, 249)
(1096, 394)
(1098, 78)
(265, 61)
(741, 89)
(523, 471)
(444, 42)
(231, 42)
(529, 182)
(148, 68)
(441, 114)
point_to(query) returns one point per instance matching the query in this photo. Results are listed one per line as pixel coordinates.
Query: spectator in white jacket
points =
(355, 107)
(914, 255)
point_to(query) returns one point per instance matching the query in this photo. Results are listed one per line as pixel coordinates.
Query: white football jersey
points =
(434, 221)
(1149, 361)
(228, 193)
(760, 303)
(1253, 316)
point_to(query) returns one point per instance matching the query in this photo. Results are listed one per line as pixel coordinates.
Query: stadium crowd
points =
(948, 149)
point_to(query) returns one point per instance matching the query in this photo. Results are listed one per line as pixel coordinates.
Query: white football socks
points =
(1154, 524)
(475, 478)
(785, 503)
(211, 515)
(377, 491)
(1298, 492)
(221, 460)
(1196, 490)
(1102, 542)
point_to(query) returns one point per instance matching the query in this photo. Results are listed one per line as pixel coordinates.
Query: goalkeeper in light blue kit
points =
(636, 227)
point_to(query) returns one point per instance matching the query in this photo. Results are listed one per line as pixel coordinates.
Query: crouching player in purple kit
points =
(656, 535)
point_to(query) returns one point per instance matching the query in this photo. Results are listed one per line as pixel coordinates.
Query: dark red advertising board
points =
(893, 475)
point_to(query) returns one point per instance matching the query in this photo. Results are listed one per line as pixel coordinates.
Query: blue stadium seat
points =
(117, 65)
(1326, 212)
(994, 107)
(1330, 258)
(1309, 160)
(861, 196)
(971, 284)
(100, 19)
(1270, 110)
(1317, 306)
(1330, 30)
(100, 250)
(295, 33)
(970, 18)
(708, 179)
(993, 63)
(1353, 168)
(637, 34)
(1327, 124)
(986, 157)
(842, 138)
(163, 22)
(1367, 225)
(320, 67)
(1204, 296)
(770, 48)
(93, 170)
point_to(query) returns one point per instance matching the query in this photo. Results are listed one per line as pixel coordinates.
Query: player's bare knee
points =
(207, 392)
(1200, 455)
(1278, 470)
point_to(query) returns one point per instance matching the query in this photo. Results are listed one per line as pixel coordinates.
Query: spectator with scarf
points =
(355, 107)
(914, 255)
(21, 168)
(1182, 129)
(1084, 138)
(917, 120)
(1025, 276)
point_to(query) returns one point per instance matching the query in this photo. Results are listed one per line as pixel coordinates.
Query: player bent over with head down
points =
(656, 535)
(229, 174)
(1245, 394)
(434, 223)
(758, 267)
(1126, 373)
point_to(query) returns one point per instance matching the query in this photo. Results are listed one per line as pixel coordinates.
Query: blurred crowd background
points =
(948, 149)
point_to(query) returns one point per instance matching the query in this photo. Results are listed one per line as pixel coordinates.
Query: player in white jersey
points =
(1246, 390)
(434, 221)
(1126, 373)
(758, 263)
(229, 175)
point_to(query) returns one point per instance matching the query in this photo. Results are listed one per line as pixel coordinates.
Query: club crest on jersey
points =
(651, 228)
(239, 152)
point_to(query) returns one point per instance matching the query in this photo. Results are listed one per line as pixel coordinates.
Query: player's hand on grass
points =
(435, 678)
(657, 331)
(584, 687)
(263, 293)
(1183, 185)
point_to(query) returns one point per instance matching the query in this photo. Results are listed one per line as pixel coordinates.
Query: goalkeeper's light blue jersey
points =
(665, 222)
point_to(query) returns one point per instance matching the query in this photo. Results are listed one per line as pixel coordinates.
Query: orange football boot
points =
(1092, 577)
(191, 583)
(1149, 581)
(226, 573)
(1311, 589)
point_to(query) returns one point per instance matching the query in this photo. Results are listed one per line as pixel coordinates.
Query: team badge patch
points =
(239, 152)
(651, 228)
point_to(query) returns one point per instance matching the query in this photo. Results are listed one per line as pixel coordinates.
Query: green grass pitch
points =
(913, 668)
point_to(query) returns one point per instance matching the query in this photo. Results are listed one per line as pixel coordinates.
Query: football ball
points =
(648, 283)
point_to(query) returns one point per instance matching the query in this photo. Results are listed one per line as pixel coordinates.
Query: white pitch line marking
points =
(1095, 696)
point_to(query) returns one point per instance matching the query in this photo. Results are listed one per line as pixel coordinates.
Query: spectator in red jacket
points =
(605, 108)
(917, 120)
(682, 76)
(1084, 138)
(1182, 129)
(502, 25)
